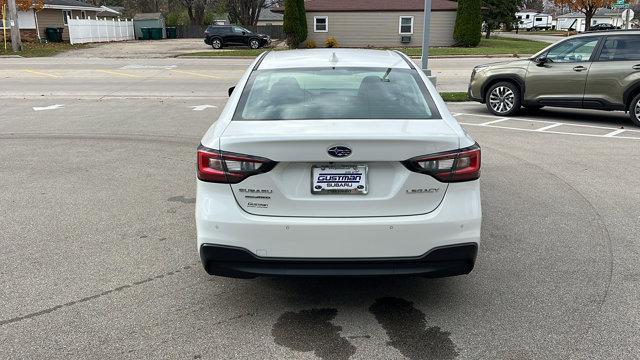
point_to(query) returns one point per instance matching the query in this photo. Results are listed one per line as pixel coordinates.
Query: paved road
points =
(98, 242)
(68, 77)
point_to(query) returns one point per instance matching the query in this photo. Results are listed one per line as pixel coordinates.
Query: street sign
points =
(620, 2)
(628, 14)
(620, 6)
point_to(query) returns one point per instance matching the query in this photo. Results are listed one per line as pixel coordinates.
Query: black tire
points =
(216, 43)
(254, 43)
(634, 110)
(503, 98)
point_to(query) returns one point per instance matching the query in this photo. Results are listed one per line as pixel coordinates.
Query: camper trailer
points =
(533, 20)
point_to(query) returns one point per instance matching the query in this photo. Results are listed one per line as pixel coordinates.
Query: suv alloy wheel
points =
(503, 99)
(634, 110)
(216, 43)
(254, 43)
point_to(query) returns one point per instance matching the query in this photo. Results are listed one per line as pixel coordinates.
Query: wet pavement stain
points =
(312, 330)
(182, 199)
(408, 332)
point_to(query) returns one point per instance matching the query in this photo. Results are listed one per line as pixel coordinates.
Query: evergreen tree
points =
(497, 12)
(468, 26)
(295, 22)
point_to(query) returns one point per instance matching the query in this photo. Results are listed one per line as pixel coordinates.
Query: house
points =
(532, 20)
(55, 13)
(576, 20)
(379, 23)
(268, 17)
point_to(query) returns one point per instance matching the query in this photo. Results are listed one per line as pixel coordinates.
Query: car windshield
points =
(335, 93)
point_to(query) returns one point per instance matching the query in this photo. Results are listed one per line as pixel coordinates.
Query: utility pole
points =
(425, 41)
(16, 43)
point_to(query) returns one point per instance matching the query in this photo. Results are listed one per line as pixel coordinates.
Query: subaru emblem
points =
(339, 151)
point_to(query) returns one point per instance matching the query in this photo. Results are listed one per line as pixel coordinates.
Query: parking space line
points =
(549, 127)
(614, 133)
(118, 73)
(195, 74)
(551, 132)
(40, 73)
(493, 121)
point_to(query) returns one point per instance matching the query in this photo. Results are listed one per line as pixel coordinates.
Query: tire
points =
(634, 110)
(216, 43)
(503, 99)
(254, 43)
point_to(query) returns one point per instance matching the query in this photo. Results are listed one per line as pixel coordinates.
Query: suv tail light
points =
(230, 168)
(452, 166)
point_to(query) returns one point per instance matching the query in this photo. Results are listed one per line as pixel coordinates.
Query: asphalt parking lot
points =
(98, 237)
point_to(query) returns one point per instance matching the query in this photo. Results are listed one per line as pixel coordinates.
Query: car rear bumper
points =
(237, 262)
(221, 221)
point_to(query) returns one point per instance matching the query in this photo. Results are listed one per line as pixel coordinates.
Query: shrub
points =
(295, 22)
(311, 44)
(467, 32)
(331, 42)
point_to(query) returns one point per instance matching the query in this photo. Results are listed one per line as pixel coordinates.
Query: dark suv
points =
(222, 35)
(589, 71)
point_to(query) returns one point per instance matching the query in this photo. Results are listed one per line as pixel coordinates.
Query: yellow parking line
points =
(118, 73)
(195, 74)
(40, 73)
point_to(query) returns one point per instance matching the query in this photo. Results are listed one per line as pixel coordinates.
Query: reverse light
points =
(229, 168)
(452, 166)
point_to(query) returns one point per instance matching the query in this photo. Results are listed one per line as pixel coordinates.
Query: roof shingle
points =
(378, 5)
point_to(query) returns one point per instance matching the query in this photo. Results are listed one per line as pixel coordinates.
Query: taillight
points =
(451, 166)
(230, 168)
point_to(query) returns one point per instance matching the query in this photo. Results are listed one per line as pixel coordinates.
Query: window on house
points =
(66, 15)
(406, 24)
(320, 24)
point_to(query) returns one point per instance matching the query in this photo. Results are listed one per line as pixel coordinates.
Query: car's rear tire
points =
(634, 110)
(503, 99)
(216, 43)
(254, 43)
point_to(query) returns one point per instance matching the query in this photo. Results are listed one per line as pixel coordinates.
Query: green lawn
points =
(39, 49)
(493, 46)
(454, 96)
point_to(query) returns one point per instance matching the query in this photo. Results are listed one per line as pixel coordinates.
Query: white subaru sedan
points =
(337, 162)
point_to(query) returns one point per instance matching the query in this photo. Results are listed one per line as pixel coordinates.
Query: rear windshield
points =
(335, 93)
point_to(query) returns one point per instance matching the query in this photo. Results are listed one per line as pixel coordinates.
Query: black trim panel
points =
(629, 94)
(238, 262)
(502, 77)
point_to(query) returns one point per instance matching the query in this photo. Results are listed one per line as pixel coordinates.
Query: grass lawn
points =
(39, 49)
(454, 96)
(493, 46)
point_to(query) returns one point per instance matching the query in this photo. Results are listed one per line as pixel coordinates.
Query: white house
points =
(533, 20)
(576, 20)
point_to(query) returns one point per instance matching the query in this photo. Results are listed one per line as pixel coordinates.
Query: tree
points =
(537, 5)
(467, 31)
(245, 12)
(497, 12)
(195, 10)
(587, 7)
(24, 5)
(295, 22)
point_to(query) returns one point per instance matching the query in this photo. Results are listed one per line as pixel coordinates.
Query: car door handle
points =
(579, 68)
(636, 67)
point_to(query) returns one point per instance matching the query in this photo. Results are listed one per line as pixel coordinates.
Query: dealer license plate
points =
(339, 179)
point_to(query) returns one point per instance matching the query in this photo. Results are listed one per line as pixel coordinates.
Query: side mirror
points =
(231, 90)
(541, 60)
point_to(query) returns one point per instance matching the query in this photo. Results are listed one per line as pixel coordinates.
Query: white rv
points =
(533, 20)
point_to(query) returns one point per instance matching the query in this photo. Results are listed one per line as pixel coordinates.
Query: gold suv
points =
(589, 71)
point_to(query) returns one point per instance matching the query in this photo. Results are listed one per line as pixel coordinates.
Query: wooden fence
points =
(95, 30)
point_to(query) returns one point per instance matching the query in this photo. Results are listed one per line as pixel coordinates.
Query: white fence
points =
(96, 30)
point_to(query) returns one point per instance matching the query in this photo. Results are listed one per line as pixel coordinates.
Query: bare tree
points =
(245, 12)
